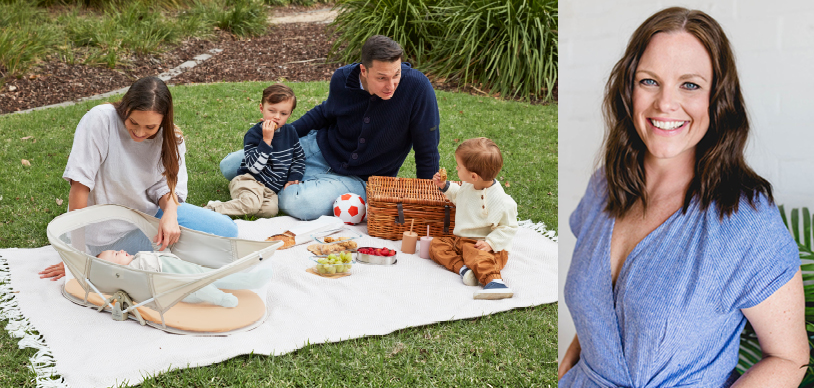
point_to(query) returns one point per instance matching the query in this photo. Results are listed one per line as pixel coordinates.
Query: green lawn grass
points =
(514, 349)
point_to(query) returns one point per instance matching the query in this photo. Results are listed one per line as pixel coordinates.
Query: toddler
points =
(273, 159)
(169, 263)
(485, 220)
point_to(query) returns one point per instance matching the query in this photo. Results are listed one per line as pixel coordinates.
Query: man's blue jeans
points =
(319, 188)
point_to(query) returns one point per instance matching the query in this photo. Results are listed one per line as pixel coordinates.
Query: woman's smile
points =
(667, 127)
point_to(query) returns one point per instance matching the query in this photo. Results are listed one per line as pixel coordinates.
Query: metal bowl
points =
(373, 259)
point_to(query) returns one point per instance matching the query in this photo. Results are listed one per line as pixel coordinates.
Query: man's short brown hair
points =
(481, 156)
(380, 48)
(278, 93)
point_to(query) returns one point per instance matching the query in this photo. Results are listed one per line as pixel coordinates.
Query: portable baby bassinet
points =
(155, 295)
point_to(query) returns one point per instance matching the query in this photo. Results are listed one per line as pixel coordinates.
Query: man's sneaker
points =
(469, 277)
(494, 290)
(211, 204)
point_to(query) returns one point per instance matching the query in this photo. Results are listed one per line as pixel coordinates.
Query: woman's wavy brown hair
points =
(152, 94)
(721, 173)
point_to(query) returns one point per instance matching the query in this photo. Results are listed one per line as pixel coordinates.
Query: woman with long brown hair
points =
(131, 153)
(679, 242)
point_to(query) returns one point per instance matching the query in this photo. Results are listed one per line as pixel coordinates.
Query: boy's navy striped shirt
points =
(274, 164)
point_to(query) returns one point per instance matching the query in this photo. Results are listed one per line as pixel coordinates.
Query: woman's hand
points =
(168, 230)
(570, 358)
(54, 272)
(268, 131)
(290, 183)
(437, 180)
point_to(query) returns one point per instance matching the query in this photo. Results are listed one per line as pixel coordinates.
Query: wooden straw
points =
(411, 225)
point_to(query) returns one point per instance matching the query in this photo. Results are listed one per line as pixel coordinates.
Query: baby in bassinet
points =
(169, 263)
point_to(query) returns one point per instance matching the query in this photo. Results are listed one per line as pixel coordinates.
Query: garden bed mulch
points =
(291, 52)
(271, 57)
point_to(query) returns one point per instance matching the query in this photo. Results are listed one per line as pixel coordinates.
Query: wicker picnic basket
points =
(393, 202)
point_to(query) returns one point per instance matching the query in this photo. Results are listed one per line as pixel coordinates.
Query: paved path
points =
(324, 15)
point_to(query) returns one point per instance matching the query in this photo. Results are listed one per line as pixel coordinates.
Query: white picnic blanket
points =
(303, 308)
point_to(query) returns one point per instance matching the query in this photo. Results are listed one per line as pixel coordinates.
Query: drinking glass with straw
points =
(409, 239)
(425, 245)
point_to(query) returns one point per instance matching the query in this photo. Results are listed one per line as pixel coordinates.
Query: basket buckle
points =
(400, 218)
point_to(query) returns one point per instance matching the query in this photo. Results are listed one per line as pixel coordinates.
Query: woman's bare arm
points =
(570, 358)
(779, 322)
(168, 229)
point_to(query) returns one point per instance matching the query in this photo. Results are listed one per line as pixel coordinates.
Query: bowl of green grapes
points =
(333, 264)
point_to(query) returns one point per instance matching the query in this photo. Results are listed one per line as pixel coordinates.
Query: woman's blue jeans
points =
(319, 188)
(189, 216)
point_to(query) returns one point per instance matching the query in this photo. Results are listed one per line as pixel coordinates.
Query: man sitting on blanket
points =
(375, 113)
(169, 263)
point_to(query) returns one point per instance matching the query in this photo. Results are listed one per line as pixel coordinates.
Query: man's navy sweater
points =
(361, 134)
(276, 164)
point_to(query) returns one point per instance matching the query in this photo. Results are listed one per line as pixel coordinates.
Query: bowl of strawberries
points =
(371, 255)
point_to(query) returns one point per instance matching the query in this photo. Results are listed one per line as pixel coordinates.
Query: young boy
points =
(274, 159)
(169, 263)
(485, 220)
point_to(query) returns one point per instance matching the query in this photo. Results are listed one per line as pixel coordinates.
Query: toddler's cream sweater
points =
(489, 214)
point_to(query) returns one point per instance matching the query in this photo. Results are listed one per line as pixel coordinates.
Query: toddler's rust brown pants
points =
(454, 252)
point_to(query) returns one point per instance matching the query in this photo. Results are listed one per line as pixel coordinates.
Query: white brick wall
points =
(774, 47)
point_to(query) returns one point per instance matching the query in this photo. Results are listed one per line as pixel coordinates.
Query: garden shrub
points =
(243, 18)
(507, 47)
(24, 38)
(401, 20)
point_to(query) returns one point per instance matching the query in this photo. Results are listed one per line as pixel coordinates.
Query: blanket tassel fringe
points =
(42, 363)
(539, 227)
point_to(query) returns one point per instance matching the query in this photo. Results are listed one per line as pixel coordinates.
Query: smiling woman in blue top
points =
(375, 113)
(679, 242)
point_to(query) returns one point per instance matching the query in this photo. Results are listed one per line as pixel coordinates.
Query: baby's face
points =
(464, 174)
(118, 257)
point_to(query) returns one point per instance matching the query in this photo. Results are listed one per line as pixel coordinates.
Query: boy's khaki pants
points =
(454, 252)
(248, 197)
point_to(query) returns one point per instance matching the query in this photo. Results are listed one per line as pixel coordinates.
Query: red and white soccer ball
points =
(350, 208)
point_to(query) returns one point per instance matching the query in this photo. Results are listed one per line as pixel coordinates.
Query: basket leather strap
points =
(400, 218)
(446, 219)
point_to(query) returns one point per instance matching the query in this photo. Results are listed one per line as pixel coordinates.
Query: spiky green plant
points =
(145, 29)
(243, 18)
(803, 234)
(135, 28)
(508, 46)
(401, 20)
(504, 46)
(19, 12)
(20, 47)
(105, 4)
(24, 38)
(197, 20)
